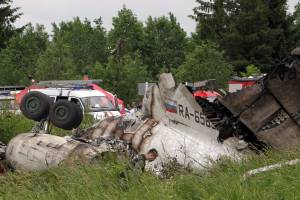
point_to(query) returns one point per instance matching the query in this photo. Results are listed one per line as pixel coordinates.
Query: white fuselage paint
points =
(190, 148)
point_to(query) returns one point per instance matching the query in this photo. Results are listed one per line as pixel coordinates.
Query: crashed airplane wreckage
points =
(192, 131)
(191, 140)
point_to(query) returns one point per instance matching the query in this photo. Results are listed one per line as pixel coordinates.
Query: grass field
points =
(100, 180)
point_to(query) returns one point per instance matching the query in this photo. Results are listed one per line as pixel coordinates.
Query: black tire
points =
(35, 105)
(66, 115)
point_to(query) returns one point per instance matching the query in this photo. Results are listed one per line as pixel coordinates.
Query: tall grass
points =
(101, 181)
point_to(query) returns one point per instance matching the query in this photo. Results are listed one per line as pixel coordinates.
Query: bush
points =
(250, 71)
(11, 125)
(204, 63)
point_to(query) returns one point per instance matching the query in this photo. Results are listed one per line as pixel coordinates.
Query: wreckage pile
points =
(268, 112)
(194, 133)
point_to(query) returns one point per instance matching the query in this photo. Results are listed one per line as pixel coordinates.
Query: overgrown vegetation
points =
(205, 62)
(11, 125)
(100, 181)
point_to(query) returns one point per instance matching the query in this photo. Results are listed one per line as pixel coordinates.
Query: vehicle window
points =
(97, 104)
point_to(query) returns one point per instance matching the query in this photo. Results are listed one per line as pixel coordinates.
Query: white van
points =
(91, 101)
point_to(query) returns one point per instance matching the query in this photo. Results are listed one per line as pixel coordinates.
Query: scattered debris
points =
(270, 168)
(266, 113)
(2, 151)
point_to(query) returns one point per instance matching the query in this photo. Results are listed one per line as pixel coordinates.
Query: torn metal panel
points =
(107, 128)
(282, 136)
(166, 82)
(284, 84)
(142, 134)
(260, 113)
(240, 101)
(269, 111)
(153, 104)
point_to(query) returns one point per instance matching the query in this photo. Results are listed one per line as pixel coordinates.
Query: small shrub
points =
(12, 125)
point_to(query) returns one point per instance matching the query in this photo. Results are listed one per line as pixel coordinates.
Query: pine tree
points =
(8, 16)
(251, 32)
(296, 26)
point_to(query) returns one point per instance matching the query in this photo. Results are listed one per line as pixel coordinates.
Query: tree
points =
(213, 19)
(296, 26)
(297, 13)
(205, 62)
(280, 23)
(18, 61)
(56, 63)
(86, 41)
(8, 16)
(165, 44)
(126, 35)
(132, 72)
(251, 70)
(254, 31)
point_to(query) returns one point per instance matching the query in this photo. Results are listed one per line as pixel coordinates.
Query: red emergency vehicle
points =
(239, 83)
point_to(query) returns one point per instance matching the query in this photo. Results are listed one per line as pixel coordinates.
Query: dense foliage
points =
(230, 35)
(8, 16)
(251, 32)
(18, 61)
(165, 44)
(205, 62)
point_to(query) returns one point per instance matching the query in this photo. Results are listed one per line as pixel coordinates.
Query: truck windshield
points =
(97, 104)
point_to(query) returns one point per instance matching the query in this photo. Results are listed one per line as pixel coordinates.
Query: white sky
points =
(47, 11)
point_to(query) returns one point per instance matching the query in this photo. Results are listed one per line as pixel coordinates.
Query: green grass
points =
(100, 180)
(11, 125)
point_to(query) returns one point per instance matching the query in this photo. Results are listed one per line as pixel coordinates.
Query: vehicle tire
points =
(65, 114)
(35, 105)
